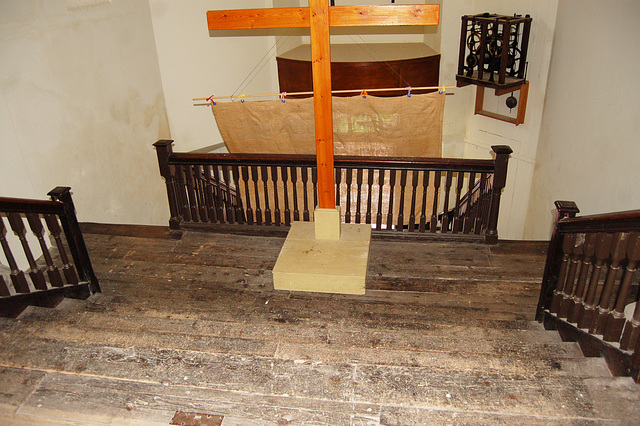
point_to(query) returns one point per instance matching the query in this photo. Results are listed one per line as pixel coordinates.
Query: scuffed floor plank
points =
(190, 323)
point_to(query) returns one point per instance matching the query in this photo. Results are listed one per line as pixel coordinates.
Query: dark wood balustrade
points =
(411, 195)
(590, 286)
(58, 267)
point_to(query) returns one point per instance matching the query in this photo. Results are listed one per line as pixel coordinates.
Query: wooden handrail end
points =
(502, 149)
(163, 143)
(567, 207)
(59, 191)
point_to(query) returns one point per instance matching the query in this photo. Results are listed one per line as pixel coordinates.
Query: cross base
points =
(325, 265)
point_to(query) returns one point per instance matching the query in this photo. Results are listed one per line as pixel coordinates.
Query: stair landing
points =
(190, 327)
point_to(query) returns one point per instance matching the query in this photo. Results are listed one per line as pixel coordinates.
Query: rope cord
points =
(208, 100)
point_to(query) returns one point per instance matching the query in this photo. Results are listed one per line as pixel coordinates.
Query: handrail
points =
(416, 194)
(390, 163)
(608, 222)
(587, 284)
(54, 216)
(24, 205)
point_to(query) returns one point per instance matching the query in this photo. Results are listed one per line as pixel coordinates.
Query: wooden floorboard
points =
(189, 323)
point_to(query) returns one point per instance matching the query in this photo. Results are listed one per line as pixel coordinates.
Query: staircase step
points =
(306, 380)
(514, 352)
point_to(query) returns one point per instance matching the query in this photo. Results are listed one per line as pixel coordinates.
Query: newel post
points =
(499, 181)
(164, 149)
(564, 209)
(71, 228)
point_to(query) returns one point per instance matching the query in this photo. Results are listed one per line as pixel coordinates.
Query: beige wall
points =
(589, 149)
(196, 63)
(80, 106)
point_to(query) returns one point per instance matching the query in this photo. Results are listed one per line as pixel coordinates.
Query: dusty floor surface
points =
(189, 331)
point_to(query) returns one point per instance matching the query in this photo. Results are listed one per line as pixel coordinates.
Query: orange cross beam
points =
(319, 17)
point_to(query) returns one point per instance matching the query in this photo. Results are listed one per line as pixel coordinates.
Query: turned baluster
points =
(305, 193)
(588, 308)
(457, 226)
(193, 200)
(631, 332)
(231, 216)
(265, 183)
(276, 198)
(359, 195)
(285, 184)
(347, 212)
(68, 269)
(569, 284)
(247, 196)
(436, 194)
(256, 190)
(201, 193)
(392, 184)
(218, 195)
(470, 206)
(445, 208)
(567, 249)
(17, 276)
(338, 173)
(209, 194)
(403, 184)
(381, 176)
(37, 277)
(616, 320)
(240, 217)
(55, 278)
(294, 185)
(574, 305)
(414, 194)
(483, 198)
(183, 201)
(423, 210)
(4, 290)
(367, 218)
(618, 254)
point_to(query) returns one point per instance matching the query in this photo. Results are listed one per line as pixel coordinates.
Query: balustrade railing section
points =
(415, 195)
(590, 286)
(57, 266)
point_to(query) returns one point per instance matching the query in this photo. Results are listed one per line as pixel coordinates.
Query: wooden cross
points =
(319, 17)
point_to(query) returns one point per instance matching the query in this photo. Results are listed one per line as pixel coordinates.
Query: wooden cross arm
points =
(339, 16)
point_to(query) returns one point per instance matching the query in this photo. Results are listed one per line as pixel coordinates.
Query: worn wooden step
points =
(513, 352)
(89, 399)
(95, 400)
(404, 386)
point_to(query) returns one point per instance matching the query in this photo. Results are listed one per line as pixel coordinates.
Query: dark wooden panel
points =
(295, 75)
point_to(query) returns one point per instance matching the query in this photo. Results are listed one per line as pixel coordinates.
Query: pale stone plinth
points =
(323, 265)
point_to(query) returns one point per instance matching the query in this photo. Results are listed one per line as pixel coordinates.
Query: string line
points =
(288, 94)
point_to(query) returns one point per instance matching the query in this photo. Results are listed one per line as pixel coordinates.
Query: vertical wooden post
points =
(164, 149)
(563, 209)
(499, 181)
(74, 236)
(321, 67)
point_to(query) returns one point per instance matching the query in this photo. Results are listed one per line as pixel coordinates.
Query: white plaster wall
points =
(471, 136)
(196, 63)
(589, 148)
(80, 106)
